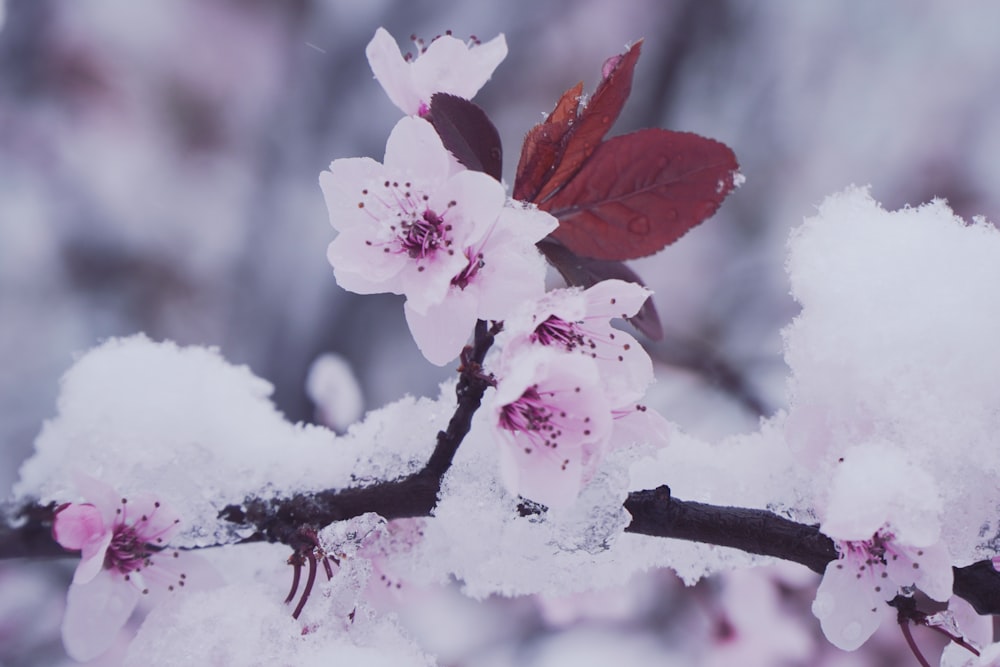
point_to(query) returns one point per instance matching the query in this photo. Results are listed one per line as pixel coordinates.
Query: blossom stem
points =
(958, 640)
(904, 625)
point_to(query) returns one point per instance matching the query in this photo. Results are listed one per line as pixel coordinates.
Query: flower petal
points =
(847, 606)
(92, 559)
(78, 525)
(414, 151)
(928, 568)
(95, 612)
(392, 72)
(443, 329)
(449, 66)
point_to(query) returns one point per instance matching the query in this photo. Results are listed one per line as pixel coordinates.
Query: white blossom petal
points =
(95, 612)
(847, 605)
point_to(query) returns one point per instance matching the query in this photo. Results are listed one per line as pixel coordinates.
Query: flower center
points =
(531, 415)
(127, 552)
(423, 236)
(556, 331)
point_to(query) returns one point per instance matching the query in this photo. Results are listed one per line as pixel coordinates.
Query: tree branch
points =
(281, 520)
(26, 533)
(658, 514)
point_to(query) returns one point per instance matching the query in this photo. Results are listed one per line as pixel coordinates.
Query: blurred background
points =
(158, 173)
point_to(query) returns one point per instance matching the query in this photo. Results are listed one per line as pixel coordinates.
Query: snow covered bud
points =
(445, 65)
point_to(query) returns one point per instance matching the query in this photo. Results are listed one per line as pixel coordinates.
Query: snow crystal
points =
(876, 485)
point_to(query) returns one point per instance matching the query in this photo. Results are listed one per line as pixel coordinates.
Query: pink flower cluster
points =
(449, 239)
(420, 224)
(568, 389)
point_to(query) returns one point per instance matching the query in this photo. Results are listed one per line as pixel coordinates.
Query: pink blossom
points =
(443, 238)
(502, 271)
(850, 601)
(883, 512)
(578, 321)
(123, 557)
(446, 65)
(553, 425)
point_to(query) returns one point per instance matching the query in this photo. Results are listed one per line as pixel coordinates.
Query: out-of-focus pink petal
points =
(78, 525)
(95, 612)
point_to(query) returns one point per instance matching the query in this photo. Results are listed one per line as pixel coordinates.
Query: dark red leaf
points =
(542, 144)
(594, 120)
(640, 192)
(555, 149)
(584, 272)
(467, 132)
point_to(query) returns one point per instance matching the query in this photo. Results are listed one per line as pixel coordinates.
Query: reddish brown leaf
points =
(640, 192)
(566, 107)
(468, 134)
(541, 145)
(594, 120)
(555, 149)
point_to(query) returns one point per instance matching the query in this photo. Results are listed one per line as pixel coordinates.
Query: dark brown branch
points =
(281, 520)
(658, 514)
(655, 512)
(27, 533)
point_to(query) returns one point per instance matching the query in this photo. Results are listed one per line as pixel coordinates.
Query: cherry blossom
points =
(578, 321)
(122, 543)
(503, 271)
(553, 424)
(850, 599)
(883, 513)
(446, 65)
(444, 238)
